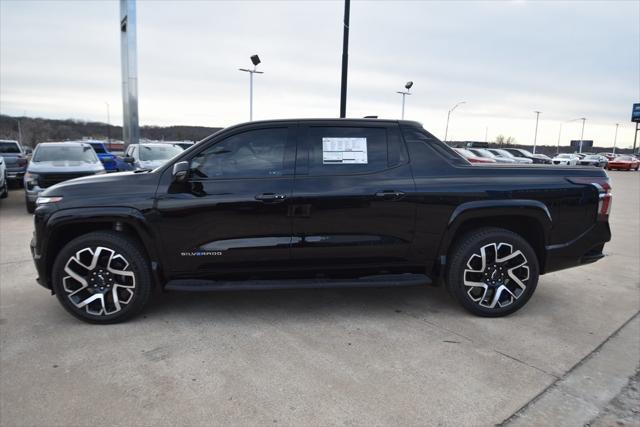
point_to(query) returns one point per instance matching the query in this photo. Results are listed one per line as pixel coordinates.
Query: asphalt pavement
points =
(322, 357)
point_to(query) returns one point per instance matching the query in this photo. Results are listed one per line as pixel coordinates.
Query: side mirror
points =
(181, 171)
(129, 159)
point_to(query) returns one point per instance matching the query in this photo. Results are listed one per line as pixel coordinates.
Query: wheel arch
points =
(66, 225)
(530, 219)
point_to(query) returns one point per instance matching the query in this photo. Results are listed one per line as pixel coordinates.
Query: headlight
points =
(45, 200)
(31, 178)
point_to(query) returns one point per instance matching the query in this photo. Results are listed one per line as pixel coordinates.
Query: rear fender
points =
(490, 209)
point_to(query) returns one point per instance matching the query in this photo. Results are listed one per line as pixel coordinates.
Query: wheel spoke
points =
(502, 275)
(99, 281)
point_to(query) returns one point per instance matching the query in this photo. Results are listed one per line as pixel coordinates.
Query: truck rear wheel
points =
(493, 272)
(102, 277)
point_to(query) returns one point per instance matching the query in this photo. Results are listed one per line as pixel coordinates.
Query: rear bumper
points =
(585, 249)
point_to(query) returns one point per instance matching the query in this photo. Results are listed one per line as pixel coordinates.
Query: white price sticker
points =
(344, 151)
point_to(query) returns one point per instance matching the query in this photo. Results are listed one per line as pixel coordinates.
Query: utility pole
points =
(615, 138)
(486, 133)
(345, 61)
(129, 54)
(582, 134)
(635, 138)
(535, 135)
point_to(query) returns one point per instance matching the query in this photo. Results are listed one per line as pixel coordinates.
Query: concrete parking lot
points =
(322, 357)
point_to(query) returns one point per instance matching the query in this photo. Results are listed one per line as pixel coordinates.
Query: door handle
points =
(389, 194)
(271, 197)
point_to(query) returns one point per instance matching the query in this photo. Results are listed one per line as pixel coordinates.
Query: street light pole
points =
(535, 135)
(615, 138)
(581, 134)
(256, 60)
(559, 134)
(345, 60)
(407, 86)
(446, 130)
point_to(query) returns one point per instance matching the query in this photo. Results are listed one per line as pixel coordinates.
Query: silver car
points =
(483, 152)
(507, 155)
(4, 185)
(55, 162)
(151, 155)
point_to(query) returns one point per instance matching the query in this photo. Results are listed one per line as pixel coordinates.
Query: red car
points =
(472, 158)
(624, 163)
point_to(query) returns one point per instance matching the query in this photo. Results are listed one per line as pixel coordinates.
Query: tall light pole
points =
(446, 130)
(255, 59)
(615, 138)
(581, 134)
(535, 135)
(108, 125)
(560, 133)
(407, 86)
(345, 60)
(129, 55)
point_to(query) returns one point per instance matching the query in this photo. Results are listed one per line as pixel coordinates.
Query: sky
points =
(505, 59)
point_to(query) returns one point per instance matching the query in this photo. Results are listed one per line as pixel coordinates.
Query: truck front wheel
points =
(493, 272)
(102, 277)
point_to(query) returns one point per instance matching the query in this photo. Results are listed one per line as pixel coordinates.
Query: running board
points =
(383, 280)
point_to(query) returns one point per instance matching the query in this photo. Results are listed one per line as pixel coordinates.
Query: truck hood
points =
(63, 166)
(114, 189)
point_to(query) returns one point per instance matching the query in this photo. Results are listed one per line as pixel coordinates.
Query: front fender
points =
(59, 220)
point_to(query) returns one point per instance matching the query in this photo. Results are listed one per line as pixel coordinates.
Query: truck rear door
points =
(350, 207)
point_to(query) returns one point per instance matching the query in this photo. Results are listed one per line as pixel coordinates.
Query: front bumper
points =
(32, 194)
(584, 249)
(15, 175)
(39, 263)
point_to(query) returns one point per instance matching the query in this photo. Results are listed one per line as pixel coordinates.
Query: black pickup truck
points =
(317, 203)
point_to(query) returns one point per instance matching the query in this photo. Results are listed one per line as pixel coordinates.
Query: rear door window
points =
(333, 150)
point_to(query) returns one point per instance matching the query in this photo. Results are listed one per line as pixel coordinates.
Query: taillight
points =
(604, 194)
(604, 204)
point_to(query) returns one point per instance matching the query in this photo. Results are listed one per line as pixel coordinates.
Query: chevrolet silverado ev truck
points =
(315, 203)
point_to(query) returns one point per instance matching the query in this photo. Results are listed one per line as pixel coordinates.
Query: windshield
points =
(56, 153)
(565, 156)
(592, 158)
(98, 148)
(624, 158)
(157, 152)
(485, 153)
(9, 148)
(504, 153)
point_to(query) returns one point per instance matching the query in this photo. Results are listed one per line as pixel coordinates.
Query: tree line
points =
(35, 130)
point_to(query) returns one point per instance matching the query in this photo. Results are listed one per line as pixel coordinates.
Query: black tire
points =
(31, 206)
(112, 242)
(467, 252)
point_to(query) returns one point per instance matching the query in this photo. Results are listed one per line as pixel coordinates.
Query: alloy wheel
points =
(497, 275)
(99, 280)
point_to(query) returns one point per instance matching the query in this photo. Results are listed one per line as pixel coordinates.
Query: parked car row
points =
(518, 156)
(55, 162)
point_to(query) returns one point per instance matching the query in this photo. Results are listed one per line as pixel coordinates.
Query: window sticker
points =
(344, 151)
